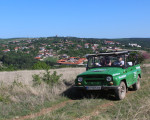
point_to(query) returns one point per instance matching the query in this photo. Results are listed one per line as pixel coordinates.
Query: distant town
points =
(65, 50)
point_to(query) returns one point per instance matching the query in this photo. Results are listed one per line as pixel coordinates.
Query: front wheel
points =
(137, 85)
(121, 92)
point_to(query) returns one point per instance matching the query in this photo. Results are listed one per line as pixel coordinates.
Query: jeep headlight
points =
(109, 78)
(80, 79)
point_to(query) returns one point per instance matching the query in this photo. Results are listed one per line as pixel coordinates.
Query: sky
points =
(78, 18)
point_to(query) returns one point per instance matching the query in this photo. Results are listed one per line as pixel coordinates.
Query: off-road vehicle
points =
(115, 71)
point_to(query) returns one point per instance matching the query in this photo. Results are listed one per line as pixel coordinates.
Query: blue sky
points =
(79, 18)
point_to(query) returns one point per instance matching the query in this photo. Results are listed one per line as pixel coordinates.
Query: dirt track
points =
(44, 111)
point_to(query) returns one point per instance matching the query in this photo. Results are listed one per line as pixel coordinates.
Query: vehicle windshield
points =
(106, 61)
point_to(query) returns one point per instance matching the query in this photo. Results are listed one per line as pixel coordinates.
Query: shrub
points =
(51, 79)
(41, 65)
(4, 99)
(51, 61)
(134, 56)
(17, 83)
(36, 80)
(48, 78)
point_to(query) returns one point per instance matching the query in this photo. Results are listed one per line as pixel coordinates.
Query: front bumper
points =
(101, 87)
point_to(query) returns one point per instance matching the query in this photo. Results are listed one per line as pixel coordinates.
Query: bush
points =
(134, 56)
(51, 61)
(40, 65)
(36, 80)
(48, 78)
(4, 99)
(17, 83)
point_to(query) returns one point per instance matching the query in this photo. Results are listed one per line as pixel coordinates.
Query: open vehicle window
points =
(132, 59)
(106, 61)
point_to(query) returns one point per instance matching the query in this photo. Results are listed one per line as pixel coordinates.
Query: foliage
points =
(50, 61)
(36, 80)
(48, 78)
(19, 60)
(76, 53)
(17, 83)
(136, 57)
(40, 65)
(4, 99)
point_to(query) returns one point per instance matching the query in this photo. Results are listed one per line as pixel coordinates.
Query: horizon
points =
(84, 19)
(74, 37)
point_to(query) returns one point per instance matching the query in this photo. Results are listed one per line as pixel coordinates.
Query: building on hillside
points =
(134, 45)
(79, 46)
(16, 48)
(64, 56)
(7, 50)
(72, 61)
(93, 48)
(118, 43)
(86, 45)
(109, 42)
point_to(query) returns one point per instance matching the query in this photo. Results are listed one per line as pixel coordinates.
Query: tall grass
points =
(18, 97)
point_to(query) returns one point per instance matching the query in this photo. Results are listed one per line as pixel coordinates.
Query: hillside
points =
(42, 53)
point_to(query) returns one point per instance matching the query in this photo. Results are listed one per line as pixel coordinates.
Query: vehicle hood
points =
(114, 71)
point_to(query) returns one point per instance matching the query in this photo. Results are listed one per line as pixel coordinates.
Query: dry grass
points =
(19, 97)
(25, 76)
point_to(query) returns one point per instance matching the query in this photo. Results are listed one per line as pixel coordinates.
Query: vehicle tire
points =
(121, 92)
(137, 85)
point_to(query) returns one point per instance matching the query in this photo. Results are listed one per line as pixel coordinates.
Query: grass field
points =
(20, 100)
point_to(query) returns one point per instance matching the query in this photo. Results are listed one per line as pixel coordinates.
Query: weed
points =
(4, 99)
(17, 83)
(36, 80)
(48, 78)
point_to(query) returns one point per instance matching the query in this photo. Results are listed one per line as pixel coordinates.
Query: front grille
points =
(93, 80)
(94, 76)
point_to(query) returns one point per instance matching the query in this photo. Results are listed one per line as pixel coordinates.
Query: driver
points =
(107, 61)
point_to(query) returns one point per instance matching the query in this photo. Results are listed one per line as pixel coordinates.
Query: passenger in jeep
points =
(102, 62)
(119, 62)
(107, 61)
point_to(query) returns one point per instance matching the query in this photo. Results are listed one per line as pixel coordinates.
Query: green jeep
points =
(115, 71)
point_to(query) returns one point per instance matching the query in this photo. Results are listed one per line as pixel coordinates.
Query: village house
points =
(118, 43)
(16, 48)
(31, 46)
(5, 46)
(86, 45)
(7, 50)
(109, 42)
(134, 45)
(41, 48)
(93, 48)
(24, 48)
(79, 46)
(64, 56)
